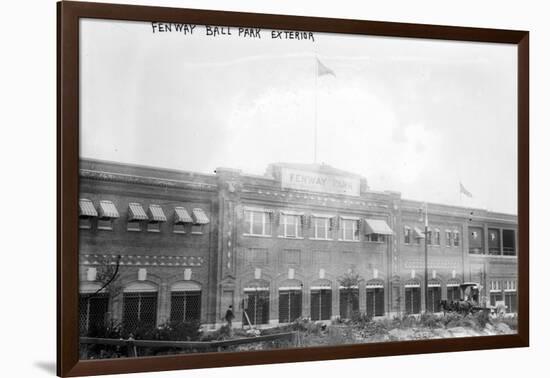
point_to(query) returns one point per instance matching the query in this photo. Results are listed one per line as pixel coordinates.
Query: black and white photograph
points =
(246, 189)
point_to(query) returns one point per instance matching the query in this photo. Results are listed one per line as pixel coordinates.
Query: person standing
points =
(229, 316)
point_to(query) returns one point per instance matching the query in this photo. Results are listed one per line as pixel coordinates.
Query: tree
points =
(349, 284)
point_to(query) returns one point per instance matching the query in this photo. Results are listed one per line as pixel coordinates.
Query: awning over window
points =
(181, 215)
(86, 208)
(199, 217)
(377, 226)
(136, 212)
(418, 233)
(107, 209)
(290, 212)
(157, 214)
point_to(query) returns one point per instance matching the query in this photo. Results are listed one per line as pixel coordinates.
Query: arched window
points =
(412, 297)
(256, 303)
(321, 300)
(185, 301)
(434, 296)
(139, 306)
(290, 301)
(375, 298)
(93, 308)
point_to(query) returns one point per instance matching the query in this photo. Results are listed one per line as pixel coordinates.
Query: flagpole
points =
(316, 73)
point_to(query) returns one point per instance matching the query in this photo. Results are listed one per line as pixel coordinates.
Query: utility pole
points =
(426, 257)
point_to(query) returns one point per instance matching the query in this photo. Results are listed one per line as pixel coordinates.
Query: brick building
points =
(275, 247)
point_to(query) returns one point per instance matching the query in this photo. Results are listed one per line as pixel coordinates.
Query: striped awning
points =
(136, 212)
(412, 284)
(86, 208)
(157, 214)
(107, 209)
(374, 285)
(418, 233)
(199, 217)
(181, 215)
(377, 226)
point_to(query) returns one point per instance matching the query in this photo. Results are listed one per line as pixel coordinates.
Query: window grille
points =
(453, 293)
(321, 304)
(256, 306)
(412, 300)
(185, 306)
(434, 299)
(375, 301)
(349, 302)
(93, 311)
(140, 311)
(290, 305)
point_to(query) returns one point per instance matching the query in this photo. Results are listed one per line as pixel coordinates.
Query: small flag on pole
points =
(323, 70)
(464, 191)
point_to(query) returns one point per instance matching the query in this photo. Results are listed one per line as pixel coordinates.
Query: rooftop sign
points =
(319, 182)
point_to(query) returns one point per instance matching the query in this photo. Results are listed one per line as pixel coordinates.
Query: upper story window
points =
(476, 240)
(436, 236)
(407, 235)
(200, 220)
(349, 229)
(257, 222)
(456, 239)
(429, 237)
(136, 214)
(107, 214)
(291, 224)
(86, 213)
(377, 230)
(494, 241)
(509, 242)
(321, 227)
(448, 238)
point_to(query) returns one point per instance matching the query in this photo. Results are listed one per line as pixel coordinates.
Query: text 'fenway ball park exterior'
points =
(302, 241)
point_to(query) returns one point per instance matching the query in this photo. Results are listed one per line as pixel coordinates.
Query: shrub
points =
(430, 320)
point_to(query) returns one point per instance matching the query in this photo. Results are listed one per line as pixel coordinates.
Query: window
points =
(290, 305)
(181, 218)
(255, 256)
(429, 237)
(107, 214)
(156, 217)
(448, 238)
(185, 302)
(136, 214)
(87, 212)
(412, 300)
(256, 307)
(407, 232)
(200, 220)
(495, 293)
(494, 241)
(456, 239)
(133, 226)
(197, 229)
(349, 302)
(321, 303)
(321, 228)
(375, 300)
(257, 223)
(139, 310)
(376, 238)
(93, 312)
(509, 242)
(292, 225)
(453, 292)
(434, 298)
(475, 235)
(349, 229)
(437, 237)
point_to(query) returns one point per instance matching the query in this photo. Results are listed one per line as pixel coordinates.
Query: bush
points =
(430, 320)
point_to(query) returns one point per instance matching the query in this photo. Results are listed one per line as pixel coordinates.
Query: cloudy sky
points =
(410, 115)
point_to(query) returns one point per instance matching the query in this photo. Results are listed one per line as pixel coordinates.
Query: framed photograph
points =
(238, 188)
